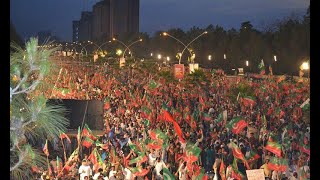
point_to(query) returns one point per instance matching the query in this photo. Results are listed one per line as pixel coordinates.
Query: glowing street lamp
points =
(275, 58)
(168, 58)
(159, 56)
(224, 56)
(305, 66)
(151, 54)
(119, 52)
(247, 63)
(209, 57)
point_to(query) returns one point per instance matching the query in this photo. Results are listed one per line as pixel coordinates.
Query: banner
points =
(178, 71)
(255, 174)
(122, 61)
(241, 72)
(193, 67)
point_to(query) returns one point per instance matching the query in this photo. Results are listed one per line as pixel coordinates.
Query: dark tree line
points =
(287, 39)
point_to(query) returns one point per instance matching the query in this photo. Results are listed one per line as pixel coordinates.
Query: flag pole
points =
(84, 115)
(64, 150)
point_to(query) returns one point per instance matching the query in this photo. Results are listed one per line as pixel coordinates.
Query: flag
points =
(253, 156)
(95, 157)
(261, 67)
(45, 149)
(305, 148)
(238, 154)
(103, 146)
(169, 118)
(138, 171)
(86, 131)
(237, 125)
(305, 105)
(277, 164)
(206, 117)
(107, 104)
(236, 174)
(202, 175)
(63, 135)
(248, 101)
(87, 142)
(167, 175)
(139, 159)
(146, 112)
(274, 148)
(222, 170)
(219, 118)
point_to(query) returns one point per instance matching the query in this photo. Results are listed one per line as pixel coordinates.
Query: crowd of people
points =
(159, 129)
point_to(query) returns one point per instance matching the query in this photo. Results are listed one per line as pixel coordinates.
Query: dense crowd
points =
(158, 129)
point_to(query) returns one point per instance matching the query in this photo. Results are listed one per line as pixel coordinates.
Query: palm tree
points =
(32, 119)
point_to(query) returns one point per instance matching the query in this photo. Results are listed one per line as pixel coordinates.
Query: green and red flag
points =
(238, 154)
(253, 156)
(222, 170)
(45, 149)
(237, 124)
(87, 142)
(202, 175)
(236, 174)
(139, 159)
(219, 118)
(274, 147)
(279, 113)
(86, 131)
(278, 164)
(103, 146)
(248, 101)
(305, 148)
(206, 117)
(167, 175)
(138, 171)
(146, 112)
(95, 157)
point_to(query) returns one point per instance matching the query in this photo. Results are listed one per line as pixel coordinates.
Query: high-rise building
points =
(85, 26)
(75, 32)
(109, 18)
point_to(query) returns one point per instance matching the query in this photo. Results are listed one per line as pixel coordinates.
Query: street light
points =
(209, 57)
(159, 56)
(247, 63)
(168, 58)
(127, 47)
(224, 56)
(205, 32)
(167, 34)
(305, 66)
(151, 54)
(275, 58)
(119, 52)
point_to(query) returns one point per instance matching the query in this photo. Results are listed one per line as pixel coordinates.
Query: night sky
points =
(32, 16)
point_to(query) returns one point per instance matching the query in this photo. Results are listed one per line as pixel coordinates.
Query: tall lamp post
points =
(167, 34)
(127, 46)
(190, 43)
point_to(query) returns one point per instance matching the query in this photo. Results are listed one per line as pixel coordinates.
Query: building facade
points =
(75, 31)
(109, 18)
(85, 26)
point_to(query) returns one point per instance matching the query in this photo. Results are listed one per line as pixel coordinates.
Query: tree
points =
(31, 117)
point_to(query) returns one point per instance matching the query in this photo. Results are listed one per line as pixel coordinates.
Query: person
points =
(182, 171)
(127, 174)
(159, 165)
(112, 173)
(294, 176)
(267, 171)
(85, 170)
(100, 170)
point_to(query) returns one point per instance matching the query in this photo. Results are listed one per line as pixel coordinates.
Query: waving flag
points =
(167, 175)
(238, 154)
(248, 101)
(274, 148)
(87, 142)
(237, 125)
(278, 164)
(87, 132)
(222, 170)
